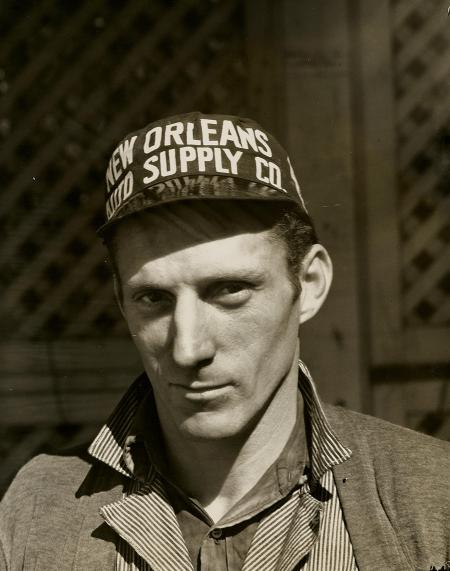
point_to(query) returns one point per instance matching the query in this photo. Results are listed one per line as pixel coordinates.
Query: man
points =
(221, 456)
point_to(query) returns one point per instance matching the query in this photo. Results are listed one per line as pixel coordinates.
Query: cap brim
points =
(195, 188)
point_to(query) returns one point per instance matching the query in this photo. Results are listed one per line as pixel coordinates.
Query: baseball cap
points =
(197, 156)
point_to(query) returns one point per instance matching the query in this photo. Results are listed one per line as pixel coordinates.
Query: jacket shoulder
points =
(388, 441)
(72, 473)
(55, 470)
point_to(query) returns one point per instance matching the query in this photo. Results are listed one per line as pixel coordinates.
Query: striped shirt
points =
(305, 530)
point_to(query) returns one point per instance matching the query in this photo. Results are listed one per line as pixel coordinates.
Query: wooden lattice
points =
(421, 51)
(74, 78)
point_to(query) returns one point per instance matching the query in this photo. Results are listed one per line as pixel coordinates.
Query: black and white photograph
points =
(225, 285)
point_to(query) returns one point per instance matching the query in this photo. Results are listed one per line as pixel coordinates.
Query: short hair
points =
(288, 223)
(296, 229)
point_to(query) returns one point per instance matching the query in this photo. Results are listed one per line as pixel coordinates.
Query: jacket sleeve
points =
(50, 518)
(16, 516)
(3, 564)
(413, 487)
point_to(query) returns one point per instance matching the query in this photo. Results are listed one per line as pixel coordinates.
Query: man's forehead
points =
(185, 227)
(236, 257)
(199, 220)
(166, 247)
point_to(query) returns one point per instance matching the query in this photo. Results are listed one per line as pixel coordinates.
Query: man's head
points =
(213, 291)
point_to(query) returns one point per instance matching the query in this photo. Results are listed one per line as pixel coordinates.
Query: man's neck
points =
(219, 473)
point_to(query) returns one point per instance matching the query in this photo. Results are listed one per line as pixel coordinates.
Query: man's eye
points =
(154, 298)
(230, 289)
(232, 293)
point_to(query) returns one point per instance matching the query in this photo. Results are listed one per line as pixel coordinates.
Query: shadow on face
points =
(194, 222)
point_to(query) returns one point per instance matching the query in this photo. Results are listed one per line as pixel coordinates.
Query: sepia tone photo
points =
(225, 307)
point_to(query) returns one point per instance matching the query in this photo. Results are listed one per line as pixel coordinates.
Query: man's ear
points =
(316, 275)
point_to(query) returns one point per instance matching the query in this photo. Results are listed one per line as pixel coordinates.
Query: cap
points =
(193, 156)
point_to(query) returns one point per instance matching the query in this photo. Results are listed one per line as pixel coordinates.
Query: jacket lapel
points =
(373, 538)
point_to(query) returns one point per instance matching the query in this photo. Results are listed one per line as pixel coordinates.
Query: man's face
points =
(213, 314)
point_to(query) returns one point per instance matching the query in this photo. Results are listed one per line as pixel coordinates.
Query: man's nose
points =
(192, 342)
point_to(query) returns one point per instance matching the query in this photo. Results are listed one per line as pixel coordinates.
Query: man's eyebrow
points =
(234, 275)
(223, 275)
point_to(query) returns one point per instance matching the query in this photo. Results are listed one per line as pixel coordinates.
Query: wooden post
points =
(320, 140)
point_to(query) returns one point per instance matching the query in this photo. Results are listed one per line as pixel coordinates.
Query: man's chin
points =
(209, 426)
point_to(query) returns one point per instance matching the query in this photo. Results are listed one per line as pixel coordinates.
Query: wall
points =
(320, 139)
(358, 92)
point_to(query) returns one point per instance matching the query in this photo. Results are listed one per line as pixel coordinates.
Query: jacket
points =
(393, 491)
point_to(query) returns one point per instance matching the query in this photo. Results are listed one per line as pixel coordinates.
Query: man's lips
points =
(199, 386)
(201, 390)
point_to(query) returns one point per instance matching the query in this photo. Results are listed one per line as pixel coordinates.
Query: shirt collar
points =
(112, 443)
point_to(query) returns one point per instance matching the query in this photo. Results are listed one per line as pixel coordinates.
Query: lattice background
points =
(74, 78)
(421, 47)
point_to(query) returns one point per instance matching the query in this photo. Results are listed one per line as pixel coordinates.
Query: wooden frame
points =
(391, 341)
(64, 382)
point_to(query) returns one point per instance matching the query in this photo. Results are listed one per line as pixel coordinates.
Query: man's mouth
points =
(202, 391)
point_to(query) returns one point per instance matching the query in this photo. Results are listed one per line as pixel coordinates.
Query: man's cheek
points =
(149, 350)
(152, 334)
(262, 327)
(251, 321)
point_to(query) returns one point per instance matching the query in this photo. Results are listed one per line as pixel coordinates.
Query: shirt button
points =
(216, 533)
